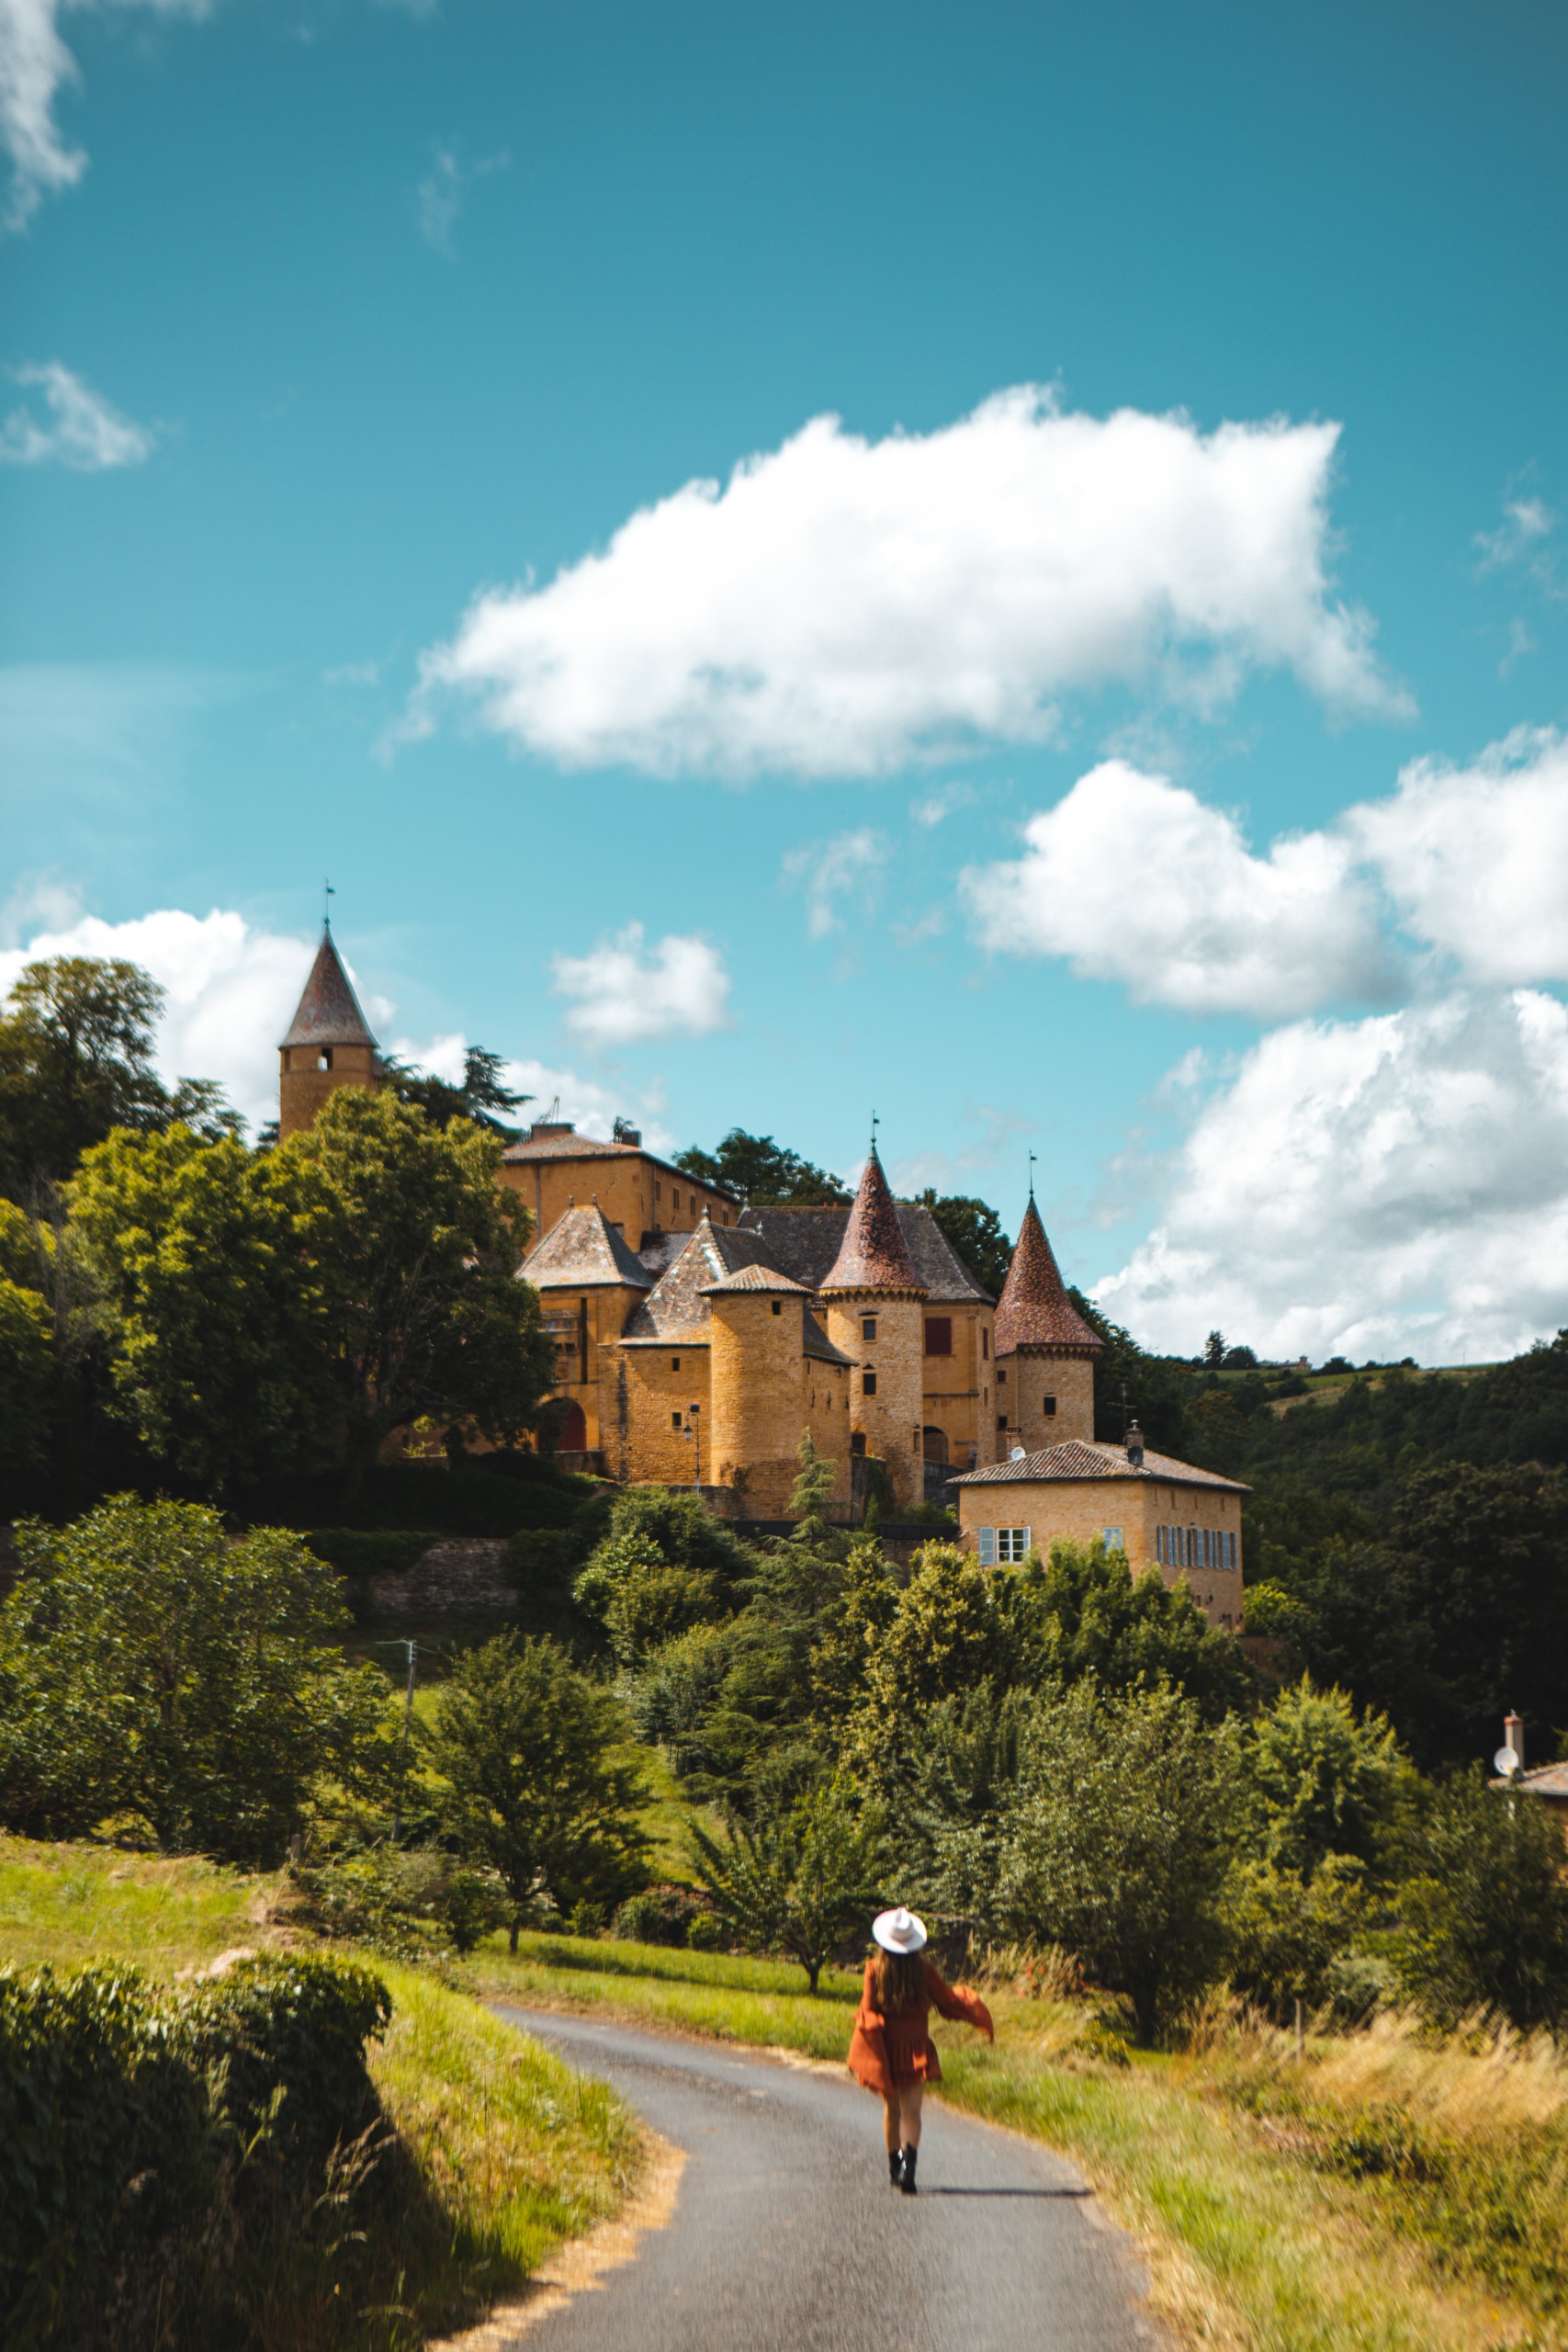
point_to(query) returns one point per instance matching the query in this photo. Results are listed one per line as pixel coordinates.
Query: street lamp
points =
(694, 1430)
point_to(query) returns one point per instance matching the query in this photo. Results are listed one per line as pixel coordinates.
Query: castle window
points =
(1112, 1539)
(1001, 1377)
(1001, 1420)
(674, 1363)
(1013, 1545)
(868, 1383)
(984, 1342)
(939, 1335)
(1047, 1404)
(868, 1327)
(778, 1307)
(325, 1058)
(674, 1421)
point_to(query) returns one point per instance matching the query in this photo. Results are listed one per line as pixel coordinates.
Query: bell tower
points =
(328, 1044)
(1045, 1350)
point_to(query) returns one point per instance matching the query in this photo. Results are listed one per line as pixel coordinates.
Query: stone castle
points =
(697, 1339)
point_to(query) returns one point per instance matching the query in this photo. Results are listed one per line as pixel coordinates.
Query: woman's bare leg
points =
(910, 2099)
(890, 2123)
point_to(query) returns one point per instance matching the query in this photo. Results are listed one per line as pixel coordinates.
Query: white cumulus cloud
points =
(841, 606)
(1474, 857)
(1132, 878)
(35, 66)
(232, 991)
(846, 868)
(1390, 1186)
(78, 428)
(622, 995)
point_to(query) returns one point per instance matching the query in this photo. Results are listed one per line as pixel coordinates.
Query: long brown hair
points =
(900, 1981)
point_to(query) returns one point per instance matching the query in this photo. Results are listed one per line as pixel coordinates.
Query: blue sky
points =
(324, 320)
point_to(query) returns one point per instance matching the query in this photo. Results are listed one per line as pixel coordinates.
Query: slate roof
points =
(1078, 1460)
(1034, 1310)
(804, 1243)
(583, 1251)
(327, 1013)
(873, 1254)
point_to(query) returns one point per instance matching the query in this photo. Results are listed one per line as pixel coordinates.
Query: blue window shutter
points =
(988, 1540)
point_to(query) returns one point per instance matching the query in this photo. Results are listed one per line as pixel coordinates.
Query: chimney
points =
(1135, 1446)
(1514, 1737)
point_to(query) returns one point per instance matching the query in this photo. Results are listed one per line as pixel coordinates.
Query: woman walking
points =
(891, 2051)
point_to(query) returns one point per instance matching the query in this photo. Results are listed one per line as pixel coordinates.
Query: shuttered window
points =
(987, 1539)
(939, 1335)
(1012, 1544)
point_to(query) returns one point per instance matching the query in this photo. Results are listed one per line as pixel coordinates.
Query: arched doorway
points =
(935, 1443)
(572, 1437)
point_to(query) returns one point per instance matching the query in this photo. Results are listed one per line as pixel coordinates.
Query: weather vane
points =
(1032, 1175)
(328, 894)
(875, 1123)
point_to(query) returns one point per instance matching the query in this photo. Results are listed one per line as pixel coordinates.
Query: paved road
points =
(788, 2237)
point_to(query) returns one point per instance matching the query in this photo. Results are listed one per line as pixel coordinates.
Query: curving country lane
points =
(786, 2237)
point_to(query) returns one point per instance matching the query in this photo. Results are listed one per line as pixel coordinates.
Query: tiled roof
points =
(581, 1250)
(1034, 1310)
(804, 1243)
(675, 1308)
(764, 1280)
(1544, 1780)
(567, 1144)
(872, 1255)
(659, 1251)
(717, 1258)
(1076, 1459)
(327, 1013)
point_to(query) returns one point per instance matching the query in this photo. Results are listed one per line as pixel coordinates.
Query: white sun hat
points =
(898, 1930)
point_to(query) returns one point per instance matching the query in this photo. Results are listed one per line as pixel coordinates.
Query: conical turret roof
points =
(327, 1013)
(1034, 1310)
(873, 1255)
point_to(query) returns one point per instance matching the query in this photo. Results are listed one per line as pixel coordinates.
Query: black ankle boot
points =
(907, 2176)
(895, 2166)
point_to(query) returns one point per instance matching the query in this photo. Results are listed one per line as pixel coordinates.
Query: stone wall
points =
(460, 1576)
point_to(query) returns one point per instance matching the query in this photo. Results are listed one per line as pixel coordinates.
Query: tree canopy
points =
(766, 1175)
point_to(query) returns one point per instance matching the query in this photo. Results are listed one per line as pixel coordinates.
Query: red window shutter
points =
(939, 1335)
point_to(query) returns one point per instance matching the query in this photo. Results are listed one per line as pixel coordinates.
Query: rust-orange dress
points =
(887, 2052)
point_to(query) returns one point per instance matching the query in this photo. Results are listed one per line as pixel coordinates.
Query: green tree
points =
(1130, 1383)
(799, 1878)
(975, 1231)
(482, 1095)
(1116, 1840)
(766, 1175)
(952, 1625)
(27, 1355)
(1319, 1780)
(533, 1791)
(210, 1259)
(1091, 1616)
(1290, 1936)
(76, 1038)
(418, 1249)
(1483, 1908)
(150, 1665)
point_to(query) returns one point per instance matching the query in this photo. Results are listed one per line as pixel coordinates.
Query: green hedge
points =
(145, 2134)
(360, 1552)
(415, 1497)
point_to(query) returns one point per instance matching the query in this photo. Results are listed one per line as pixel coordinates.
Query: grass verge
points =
(499, 2152)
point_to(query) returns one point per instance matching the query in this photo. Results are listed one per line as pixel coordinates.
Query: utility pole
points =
(404, 1751)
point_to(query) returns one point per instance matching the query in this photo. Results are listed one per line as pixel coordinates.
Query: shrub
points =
(475, 1902)
(1484, 1909)
(707, 1933)
(361, 1552)
(144, 2134)
(660, 1914)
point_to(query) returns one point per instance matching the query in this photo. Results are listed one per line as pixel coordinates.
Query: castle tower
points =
(328, 1045)
(757, 1408)
(1045, 1350)
(874, 1300)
